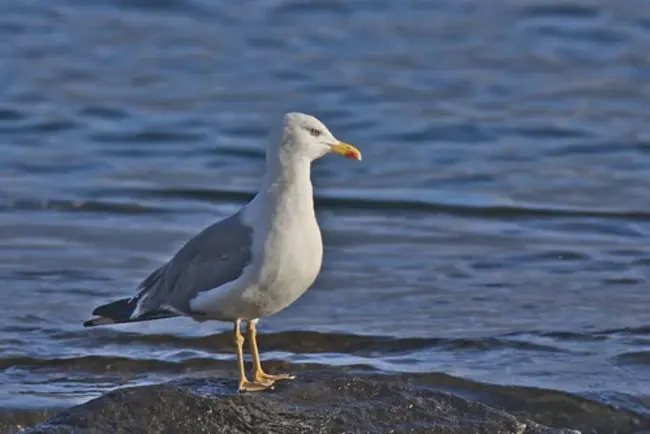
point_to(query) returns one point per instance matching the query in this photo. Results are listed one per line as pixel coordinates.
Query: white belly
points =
(291, 266)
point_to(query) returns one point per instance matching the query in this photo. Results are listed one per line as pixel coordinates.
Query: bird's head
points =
(308, 136)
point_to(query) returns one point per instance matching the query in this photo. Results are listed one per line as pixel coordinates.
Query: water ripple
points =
(90, 206)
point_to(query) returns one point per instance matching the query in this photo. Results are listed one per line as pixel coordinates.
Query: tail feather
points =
(120, 311)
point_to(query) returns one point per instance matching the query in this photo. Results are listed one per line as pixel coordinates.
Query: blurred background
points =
(497, 228)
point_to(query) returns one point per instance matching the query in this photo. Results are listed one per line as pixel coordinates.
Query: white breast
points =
(290, 249)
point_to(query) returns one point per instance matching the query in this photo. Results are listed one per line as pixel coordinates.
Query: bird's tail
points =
(120, 311)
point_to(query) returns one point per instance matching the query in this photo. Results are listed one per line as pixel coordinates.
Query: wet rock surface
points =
(338, 401)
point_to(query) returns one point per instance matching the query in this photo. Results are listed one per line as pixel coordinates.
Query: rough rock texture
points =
(333, 401)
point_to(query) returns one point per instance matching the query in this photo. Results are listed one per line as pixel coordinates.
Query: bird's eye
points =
(314, 132)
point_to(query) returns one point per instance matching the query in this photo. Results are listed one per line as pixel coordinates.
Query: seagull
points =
(251, 264)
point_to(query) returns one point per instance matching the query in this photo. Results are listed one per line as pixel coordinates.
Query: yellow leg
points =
(244, 384)
(259, 376)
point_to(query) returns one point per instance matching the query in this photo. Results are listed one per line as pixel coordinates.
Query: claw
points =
(262, 377)
(247, 386)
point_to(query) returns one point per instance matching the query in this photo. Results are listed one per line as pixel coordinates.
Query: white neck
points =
(286, 188)
(283, 166)
(290, 173)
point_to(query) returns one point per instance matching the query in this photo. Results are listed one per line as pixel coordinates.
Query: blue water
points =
(498, 227)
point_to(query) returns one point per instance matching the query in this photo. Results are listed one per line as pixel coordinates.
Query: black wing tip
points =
(121, 307)
(149, 316)
(98, 321)
(115, 312)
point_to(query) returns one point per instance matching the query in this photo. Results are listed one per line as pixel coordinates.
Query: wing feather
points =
(215, 256)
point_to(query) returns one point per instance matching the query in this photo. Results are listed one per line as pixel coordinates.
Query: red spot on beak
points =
(351, 154)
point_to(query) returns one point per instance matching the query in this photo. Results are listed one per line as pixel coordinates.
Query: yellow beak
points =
(347, 150)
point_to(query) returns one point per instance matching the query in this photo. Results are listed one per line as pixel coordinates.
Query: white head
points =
(307, 137)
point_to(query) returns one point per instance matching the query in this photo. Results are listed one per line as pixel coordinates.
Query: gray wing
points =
(213, 257)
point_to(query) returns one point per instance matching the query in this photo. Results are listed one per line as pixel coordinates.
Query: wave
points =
(408, 201)
(106, 364)
(88, 206)
(329, 199)
(196, 351)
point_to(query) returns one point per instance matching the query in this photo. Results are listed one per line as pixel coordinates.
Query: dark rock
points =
(333, 401)
(15, 420)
